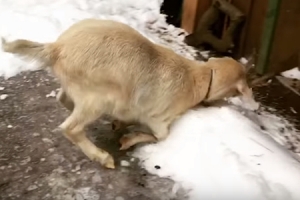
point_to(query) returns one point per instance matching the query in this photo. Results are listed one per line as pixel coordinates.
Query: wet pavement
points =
(38, 163)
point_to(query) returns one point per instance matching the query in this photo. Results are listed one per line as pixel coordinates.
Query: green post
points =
(268, 35)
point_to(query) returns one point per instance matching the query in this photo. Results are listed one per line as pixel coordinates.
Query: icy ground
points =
(215, 153)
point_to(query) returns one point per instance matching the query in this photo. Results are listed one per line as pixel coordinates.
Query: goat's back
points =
(96, 52)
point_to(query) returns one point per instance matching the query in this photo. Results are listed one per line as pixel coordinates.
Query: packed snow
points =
(214, 153)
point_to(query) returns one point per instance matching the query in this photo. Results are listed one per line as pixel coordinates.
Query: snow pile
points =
(44, 20)
(220, 154)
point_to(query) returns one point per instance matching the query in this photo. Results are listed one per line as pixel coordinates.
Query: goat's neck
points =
(201, 79)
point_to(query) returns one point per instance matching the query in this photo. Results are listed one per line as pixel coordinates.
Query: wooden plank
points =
(286, 41)
(255, 22)
(267, 36)
(189, 14)
(203, 5)
(287, 82)
(255, 11)
(245, 7)
(192, 12)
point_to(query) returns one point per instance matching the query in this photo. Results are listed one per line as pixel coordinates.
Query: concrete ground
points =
(37, 163)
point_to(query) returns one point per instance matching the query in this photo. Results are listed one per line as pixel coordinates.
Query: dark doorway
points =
(172, 8)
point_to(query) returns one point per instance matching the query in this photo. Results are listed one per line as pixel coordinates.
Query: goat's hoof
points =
(109, 162)
(126, 141)
(103, 157)
(124, 146)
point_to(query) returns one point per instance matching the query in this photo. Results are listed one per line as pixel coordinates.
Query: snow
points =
(215, 153)
(218, 153)
(3, 96)
(292, 73)
(244, 61)
(124, 163)
(44, 20)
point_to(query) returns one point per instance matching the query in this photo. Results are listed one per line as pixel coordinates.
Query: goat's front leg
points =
(134, 138)
(160, 132)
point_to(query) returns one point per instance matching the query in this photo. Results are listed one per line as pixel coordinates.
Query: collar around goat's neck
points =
(210, 83)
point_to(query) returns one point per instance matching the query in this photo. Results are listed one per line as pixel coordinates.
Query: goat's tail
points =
(45, 53)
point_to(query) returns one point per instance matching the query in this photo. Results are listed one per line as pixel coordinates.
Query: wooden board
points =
(286, 39)
(191, 13)
(254, 11)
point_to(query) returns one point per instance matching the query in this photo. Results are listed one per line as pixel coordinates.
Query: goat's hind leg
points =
(73, 128)
(160, 130)
(117, 125)
(65, 99)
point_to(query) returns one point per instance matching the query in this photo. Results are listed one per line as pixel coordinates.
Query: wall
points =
(286, 43)
(285, 47)
(254, 10)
